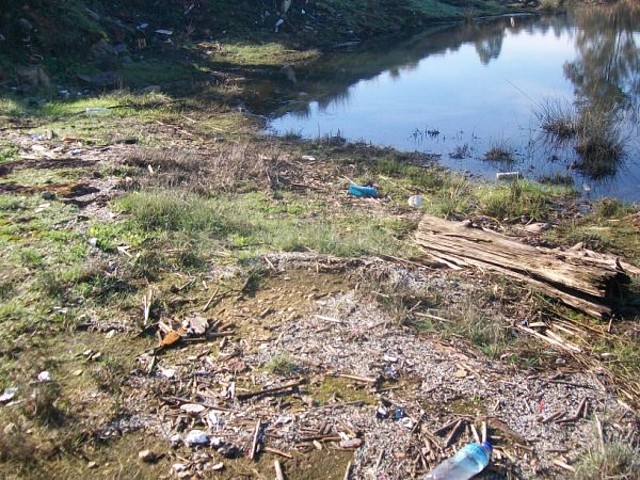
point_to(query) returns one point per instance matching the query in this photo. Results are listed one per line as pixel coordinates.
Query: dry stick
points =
(254, 444)
(433, 317)
(600, 433)
(444, 428)
(347, 474)
(268, 391)
(279, 474)
(484, 431)
(476, 437)
(454, 431)
(204, 309)
(278, 452)
(561, 464)
(357, 378)
(379, 461)
(146, 302)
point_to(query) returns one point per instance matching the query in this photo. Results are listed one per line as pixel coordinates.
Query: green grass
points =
(254, 223)
(282, 364)
(520, 198)
(608, 458)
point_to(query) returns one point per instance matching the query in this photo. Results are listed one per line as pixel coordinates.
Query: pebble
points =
(351, 443)
(197, 437)
(91, 465)
(192, 408)
(44, 376)
(147, 456)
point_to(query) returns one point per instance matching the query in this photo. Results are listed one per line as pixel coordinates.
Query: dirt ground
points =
(332, 381)
(320, 364)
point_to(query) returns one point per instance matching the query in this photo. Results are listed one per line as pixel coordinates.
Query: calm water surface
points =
(461, 91)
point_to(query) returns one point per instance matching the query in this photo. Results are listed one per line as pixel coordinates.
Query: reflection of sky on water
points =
(470, 103)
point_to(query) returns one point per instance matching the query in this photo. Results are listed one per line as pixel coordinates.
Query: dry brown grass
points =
(223, 167)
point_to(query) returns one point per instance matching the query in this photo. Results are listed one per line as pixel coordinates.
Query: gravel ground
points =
(348, 375)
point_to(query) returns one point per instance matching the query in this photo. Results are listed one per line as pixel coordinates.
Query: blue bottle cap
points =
(488, 446)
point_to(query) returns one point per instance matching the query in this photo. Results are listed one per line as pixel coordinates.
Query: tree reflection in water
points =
(607, 85)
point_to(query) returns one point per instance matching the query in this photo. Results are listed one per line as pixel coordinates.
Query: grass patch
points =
(282, 364)
(519, 198)
(454, 197)
(254, 223)
(609, 458)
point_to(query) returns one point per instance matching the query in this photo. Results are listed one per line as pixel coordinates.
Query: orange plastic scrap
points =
(173, 336)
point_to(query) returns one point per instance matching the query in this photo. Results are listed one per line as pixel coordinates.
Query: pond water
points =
(547, 96)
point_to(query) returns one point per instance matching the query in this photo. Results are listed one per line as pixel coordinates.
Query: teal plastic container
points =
(361, 191)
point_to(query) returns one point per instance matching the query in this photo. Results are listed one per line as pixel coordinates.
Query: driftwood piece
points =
(583, 279)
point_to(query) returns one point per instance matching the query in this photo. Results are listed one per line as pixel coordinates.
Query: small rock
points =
(77, 373)
(147, 456)
(47, 195)
(167, 372)
(110, 334)
(192, 408)
(42, 207)
(198, 325)
(217, 467)
(537, 227)
(10, 428)
(407, 423)
(382, 412)
(309, 158)
(217, 442)
(93, 241)
(462, 373)
(44, 376)
(175, 440)
(197, 437)
(229, 451)
(351, 443)
(96, 356)
(91, 465)
(8, 394)
(178, 467)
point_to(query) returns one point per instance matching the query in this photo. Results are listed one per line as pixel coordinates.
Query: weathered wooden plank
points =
(582, 279)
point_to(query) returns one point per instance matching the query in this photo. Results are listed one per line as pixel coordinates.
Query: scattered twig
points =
(357, 378)
(279, 474)
(328, 319)
(256, 437)
(278, 452)
(433, 317)
(449, 440)
(474, 431)
(599, 430)
(561, 464)
(213, 295)
(347, 474)
(146, 304)
(269, 391)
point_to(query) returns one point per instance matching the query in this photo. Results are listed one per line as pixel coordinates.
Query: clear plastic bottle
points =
(466, 463)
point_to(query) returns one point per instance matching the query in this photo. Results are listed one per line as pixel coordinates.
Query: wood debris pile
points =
(337, 376)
